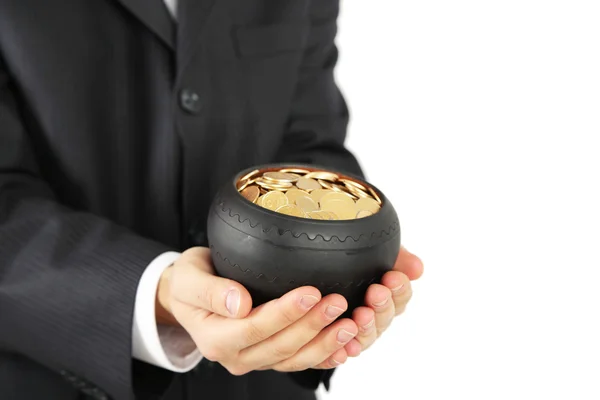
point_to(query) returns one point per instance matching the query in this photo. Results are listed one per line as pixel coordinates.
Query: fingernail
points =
(368, 326)
(397, 289)
(344, 336)
(334, 362)
(383, 303)
(232, 302)
(307, 301)
(333, 311)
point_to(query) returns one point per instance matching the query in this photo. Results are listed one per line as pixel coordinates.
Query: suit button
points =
(190, 101)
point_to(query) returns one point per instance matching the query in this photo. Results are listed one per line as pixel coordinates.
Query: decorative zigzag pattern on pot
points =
(220, 206)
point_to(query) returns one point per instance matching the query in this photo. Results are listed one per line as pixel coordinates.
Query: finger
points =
(220, 338)
(269, 318)
(409, 264)
(401, 289)
(327, 342)
(353, 348)
(379, 298)
(192, 283)
(288, 341)
(364, 317)
(338, 358)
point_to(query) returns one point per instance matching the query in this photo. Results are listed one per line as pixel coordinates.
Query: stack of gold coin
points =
(302, 193)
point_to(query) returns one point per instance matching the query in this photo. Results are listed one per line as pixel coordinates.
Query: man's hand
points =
(385, 301)
(292, 333)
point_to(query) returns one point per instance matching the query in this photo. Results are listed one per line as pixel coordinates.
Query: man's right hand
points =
(292, 333)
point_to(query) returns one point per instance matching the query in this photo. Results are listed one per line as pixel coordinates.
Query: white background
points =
(481, 121)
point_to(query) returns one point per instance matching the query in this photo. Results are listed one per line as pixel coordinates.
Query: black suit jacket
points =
(117, 126)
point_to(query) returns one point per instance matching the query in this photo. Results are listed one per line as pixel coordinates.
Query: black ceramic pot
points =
(272, 253)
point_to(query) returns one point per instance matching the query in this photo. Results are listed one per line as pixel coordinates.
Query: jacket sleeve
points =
(316, 128)
(318, 120)
(68, 279)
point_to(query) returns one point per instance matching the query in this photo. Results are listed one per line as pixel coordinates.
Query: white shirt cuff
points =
(168, 347)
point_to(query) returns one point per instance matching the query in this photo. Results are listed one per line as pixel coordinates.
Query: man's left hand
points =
(384, 301)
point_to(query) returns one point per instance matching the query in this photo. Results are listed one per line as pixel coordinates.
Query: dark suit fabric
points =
(117, 127)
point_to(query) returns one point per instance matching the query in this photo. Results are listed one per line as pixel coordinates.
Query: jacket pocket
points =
(265, 40)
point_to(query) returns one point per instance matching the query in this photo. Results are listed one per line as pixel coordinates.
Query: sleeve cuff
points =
(167, 347)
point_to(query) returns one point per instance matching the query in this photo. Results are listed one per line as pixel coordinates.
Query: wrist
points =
(162, 303)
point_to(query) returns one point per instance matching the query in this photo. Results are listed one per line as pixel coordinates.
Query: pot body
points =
(271, 253)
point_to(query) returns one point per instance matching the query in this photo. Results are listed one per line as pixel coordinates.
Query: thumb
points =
(193, 282)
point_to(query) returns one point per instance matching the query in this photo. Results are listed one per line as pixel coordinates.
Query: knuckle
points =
(405, 295)
(292, 366)
(212, 353)
(366, 346)
(287, 312)
(400, 310)
(205, 297)
(409, 293)
(384, 327)
(315, 323)
(253, 333)
(330, 346)
(365, 343)
(283, 353)
(237, 370)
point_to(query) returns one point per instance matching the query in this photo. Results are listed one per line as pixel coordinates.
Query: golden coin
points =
(341, 208)
(332, 216)
(273, 186)
(280, 177)
(249, 175)
(327, 215)
(325, 184)
(251, 193)
(325, 175)
(293, 176)
(295, 170)
(368, 205)
(344, 189)
(243, 184)
(274, 200)
(363, 214)
(273, 183)
(307, 204)
(307, 184)
(348, 182)
(357, 192)
(315, 215)
(375, 195)
(293, 210)
(294, 193)
(338, 188)
(318, 193)
(335, 196)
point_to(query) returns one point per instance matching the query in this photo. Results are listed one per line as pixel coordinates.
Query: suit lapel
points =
(192, 16)
(154, 14)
